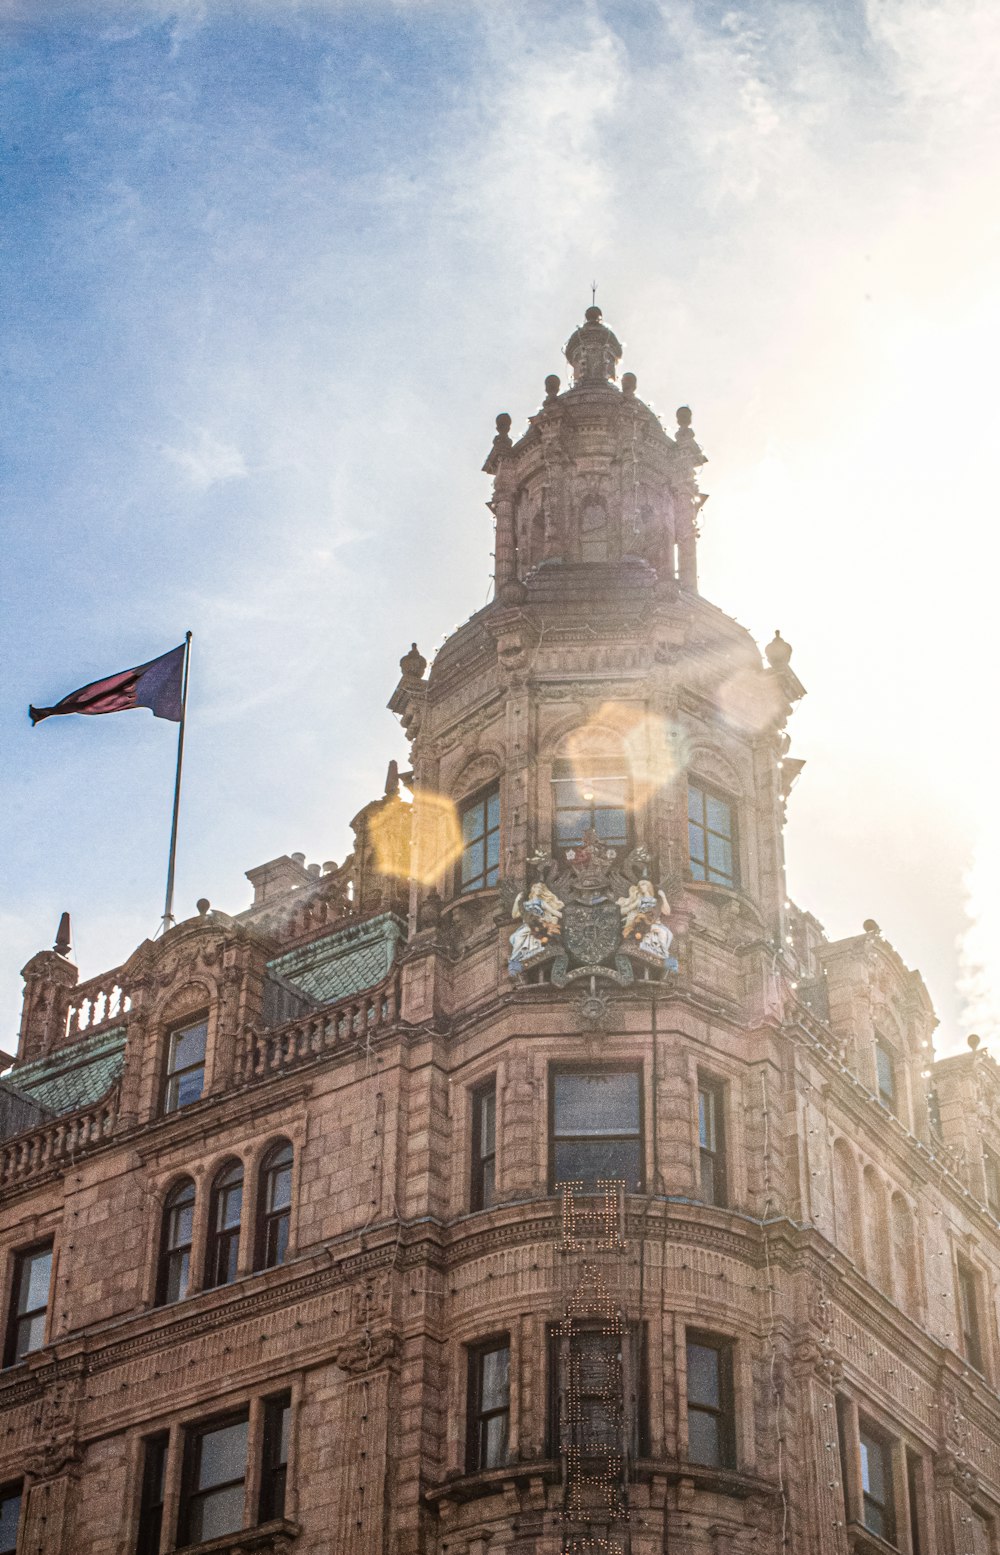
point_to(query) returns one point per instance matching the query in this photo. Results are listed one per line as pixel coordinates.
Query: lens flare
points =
(618, 743)
(418, 841)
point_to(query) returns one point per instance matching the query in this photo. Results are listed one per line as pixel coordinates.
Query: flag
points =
(156, 685)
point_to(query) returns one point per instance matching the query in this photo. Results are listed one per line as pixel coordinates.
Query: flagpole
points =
(168, 909)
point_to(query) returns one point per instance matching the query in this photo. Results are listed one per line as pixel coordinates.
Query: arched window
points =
(876, 1231)
(174, 1269)
(845, 1195)
(904, 1253)
(274, 1206)
(224, 1225)
(593, 533)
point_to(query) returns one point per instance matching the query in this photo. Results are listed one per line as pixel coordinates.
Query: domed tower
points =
(597, 929)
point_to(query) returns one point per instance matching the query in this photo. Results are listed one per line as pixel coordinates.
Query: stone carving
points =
(591, 916)
(368, 1353)
(57, 1430)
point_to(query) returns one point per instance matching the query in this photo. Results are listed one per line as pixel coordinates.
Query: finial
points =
(629, 382)
(552, 386)
(593, 292)
(777, 653)
(973, 1040)
(392, 780)
(413, 664)
(684, 415)
(870, 926)
(501, 444)
(592, 350)
(203, 904)
(63, 944)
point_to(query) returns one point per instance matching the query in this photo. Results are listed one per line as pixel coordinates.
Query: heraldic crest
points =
(591, 915)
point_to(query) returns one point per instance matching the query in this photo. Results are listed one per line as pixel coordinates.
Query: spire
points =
(64, 944)
(593, 351)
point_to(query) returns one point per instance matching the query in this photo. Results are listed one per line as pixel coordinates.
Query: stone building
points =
(539, 1179)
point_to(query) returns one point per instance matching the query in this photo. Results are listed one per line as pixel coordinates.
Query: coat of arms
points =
(591, 915)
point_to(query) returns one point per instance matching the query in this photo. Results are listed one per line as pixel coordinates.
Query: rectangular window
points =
(885, 1069)
(480, 862)
(29, 1303)
(605, 1371)
(215, 1464)
(10, 1516)
(596, 1128)
(878, 1510)
(711, 837)
(185, 1066)
(274, 1468)
(968, 1315)
(590, 795)
(484, 1145)
(711, 1412)
(711, 1141)
(154, 1475)
(991, 1170)
(914, 1478)
(489, 1405)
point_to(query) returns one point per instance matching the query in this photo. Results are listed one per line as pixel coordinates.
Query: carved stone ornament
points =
(368, 1353)
(57, 1447)
(591, 916)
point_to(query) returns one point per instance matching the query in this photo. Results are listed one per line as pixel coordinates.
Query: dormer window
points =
(479, 865)
(712, 837)
(591, 794)
(185, 1066)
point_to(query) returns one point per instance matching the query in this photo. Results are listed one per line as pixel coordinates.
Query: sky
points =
(273, 267)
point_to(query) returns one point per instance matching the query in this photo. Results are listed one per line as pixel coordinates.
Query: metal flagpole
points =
(168, 909)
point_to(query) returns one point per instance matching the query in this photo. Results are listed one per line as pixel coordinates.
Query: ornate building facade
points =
(540, 1179)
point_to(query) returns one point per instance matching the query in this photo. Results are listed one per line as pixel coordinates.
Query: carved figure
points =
(540, 912)
(644, 911)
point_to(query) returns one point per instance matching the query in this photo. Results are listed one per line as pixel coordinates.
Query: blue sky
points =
(271, 271)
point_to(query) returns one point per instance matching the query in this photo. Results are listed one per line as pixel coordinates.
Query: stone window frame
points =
(475, 1352)
(175, 1028)
(908, 1462)
(624, 1065)
(216, 1235)
(744, 1383)
(480, 796)
(724, 1344)
(636, 1382)
(177, 1181)
(15, 1259)
(970, 1276)
(176, 1425)
(204, 1172)
(733, 799)
(714, 1085)
(729, 1076)
(478, 1093)
(262, 1216)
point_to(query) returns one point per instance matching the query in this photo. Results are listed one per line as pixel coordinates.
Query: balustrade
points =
(263, 1053)
(57, 1143)
(102, 1002)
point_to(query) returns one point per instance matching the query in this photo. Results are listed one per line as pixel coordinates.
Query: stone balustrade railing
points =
(261, 1054)
(99, 1003)
(57, 1143)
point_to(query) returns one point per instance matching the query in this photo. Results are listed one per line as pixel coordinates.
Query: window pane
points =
(10, 1512)
(707, 1177)
(610, 826)
(706, 1119)
(495, 1379)
(188, 1047)
(185, 1088)
(473, 824)
(223, 1455)
(571, 825)
(230, 1205)
(597, 1103)
(703, 1375)
(493, 850)
(280, 1188)
(720, 855)
(718, 815)
(177, 1277)
(35, 1278)
(472, 861)
(30, 1335)
(696, 843)
(488, 1191)
(487, 1123)
(703, 1438)
(593, 1161)
(495, 1441)
(695, 805)
(217, 1513)
(493, 810)
(886, 1079)
(277, 1241)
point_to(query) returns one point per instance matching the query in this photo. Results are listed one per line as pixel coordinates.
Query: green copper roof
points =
(344, 963)
(75, 1075)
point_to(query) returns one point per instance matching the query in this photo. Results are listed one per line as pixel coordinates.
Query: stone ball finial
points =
(413, 663)
(684, 416)
(552, 386)
(203, 904)
(778, 652)
(870, 926)
(503, 424)
(629, 382)
(593, 314)
(973, 1040)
